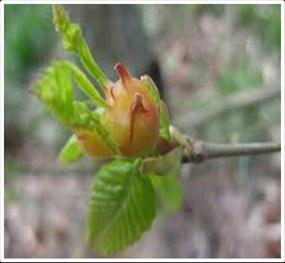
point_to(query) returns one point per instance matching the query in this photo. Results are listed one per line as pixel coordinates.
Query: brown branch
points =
(197, 151)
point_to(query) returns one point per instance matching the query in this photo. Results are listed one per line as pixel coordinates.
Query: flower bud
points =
(132, 119)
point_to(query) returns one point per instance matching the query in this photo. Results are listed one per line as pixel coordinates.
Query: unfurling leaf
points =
(170, 191)
(164, 171)
(71, 152)
(85, 85)
(54, 89)
(121, 207)
(73, 41)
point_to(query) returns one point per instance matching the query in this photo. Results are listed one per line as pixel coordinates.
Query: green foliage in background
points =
(265, 20)
(29, 38)
(242, 76)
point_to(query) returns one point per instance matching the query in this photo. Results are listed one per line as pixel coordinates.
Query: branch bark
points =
(197, 151)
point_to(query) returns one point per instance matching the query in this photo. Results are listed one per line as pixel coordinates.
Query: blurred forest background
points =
(218, 67)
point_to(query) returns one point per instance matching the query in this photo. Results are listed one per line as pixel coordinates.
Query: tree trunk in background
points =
(115, 34)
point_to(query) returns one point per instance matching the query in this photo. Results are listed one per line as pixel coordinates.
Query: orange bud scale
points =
(132, 119)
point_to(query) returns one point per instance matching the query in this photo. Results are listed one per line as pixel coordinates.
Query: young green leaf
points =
(71, 151)
(121, 207)
(73, 41)
(54, 89)
(169, 190)
(164, 171)
(85, 85)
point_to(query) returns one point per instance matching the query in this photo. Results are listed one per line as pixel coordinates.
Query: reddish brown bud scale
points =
(132, 119)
